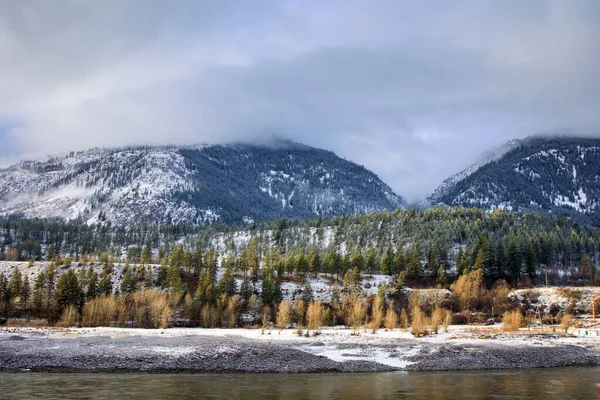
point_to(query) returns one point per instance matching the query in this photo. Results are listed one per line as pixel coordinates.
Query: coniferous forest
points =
(198, 272)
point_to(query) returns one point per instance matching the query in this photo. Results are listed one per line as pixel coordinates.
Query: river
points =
(563, 383)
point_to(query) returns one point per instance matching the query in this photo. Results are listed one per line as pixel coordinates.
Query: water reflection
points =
(569, 383)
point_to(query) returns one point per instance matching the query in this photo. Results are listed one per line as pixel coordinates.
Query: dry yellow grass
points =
(27, 323)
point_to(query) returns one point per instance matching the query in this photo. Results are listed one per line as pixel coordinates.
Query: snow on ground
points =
(393, 348)
(578, 298)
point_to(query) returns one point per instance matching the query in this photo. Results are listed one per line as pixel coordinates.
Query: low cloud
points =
(413, 91)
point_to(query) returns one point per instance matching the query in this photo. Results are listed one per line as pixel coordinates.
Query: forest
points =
(183, 274)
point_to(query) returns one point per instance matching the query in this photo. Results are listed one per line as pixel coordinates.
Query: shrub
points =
(418, 322)
(300, 308)
(314, 316)
(565, 321)
(357, 315)
(391, 319)
(512, 321)
(69, 317)
(284, 315)
(468, 289)
(437, 315)
(231, 313)
(210, 316)
(447, 319)
(404, 319)
(102, 311)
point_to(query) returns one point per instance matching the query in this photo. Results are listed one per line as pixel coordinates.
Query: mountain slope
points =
(196, 184)
(486, 158)
(549, 174)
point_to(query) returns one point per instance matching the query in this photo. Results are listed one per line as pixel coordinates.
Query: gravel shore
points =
(222, 352)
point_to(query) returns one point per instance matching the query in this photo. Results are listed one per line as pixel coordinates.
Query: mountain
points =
(559, 175)
(195, 184)
(486, 158)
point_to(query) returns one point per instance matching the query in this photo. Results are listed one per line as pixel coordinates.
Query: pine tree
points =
(357, 261)
(460, 267)
(68, 291)
(315, 262)
(307, 294)
(25, 292)
(92, 286)
(15, 284)
(246, 288)
(271, 289)
(371, 262)
(387, 261)
(302, 266)
(227, 284)
(129, 282)
(441, 276)
(414, 265)
(587, 268)
(105, 285)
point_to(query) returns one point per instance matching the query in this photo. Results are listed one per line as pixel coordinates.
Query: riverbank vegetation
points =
(442, 265)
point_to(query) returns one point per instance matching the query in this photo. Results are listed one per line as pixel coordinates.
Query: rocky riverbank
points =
(252, 351)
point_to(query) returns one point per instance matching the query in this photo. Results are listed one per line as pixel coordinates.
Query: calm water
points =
(569, 383)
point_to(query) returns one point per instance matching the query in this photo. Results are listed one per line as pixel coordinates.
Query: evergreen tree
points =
(587, 268)
(68, 291)
(271, 289)
(246, 288)
(15, 284)
(92, 286)
(414, 265)
(105, 285)
(387, 261)
(227, 283)
(315, 262)
(371, 262)
(129, 282)
(307, 294)
(25, 292)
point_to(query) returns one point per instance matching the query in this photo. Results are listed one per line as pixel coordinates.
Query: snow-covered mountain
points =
(487, 157)
(196, 184)
(548, 174)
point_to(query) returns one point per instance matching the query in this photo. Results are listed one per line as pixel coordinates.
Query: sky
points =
(414, 91)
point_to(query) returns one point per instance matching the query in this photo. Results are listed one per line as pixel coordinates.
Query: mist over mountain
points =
(197, 184)
(558, 175)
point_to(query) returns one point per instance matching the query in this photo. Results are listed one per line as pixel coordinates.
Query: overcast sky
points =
(414, 90)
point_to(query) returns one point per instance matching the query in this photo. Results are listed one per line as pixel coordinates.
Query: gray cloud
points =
(413, 91)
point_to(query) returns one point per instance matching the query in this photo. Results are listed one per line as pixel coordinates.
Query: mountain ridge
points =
(236, 182)
(551, 174)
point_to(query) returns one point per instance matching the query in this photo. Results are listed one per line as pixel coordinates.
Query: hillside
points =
(422, 245)
(195, 184)
(547, 174)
